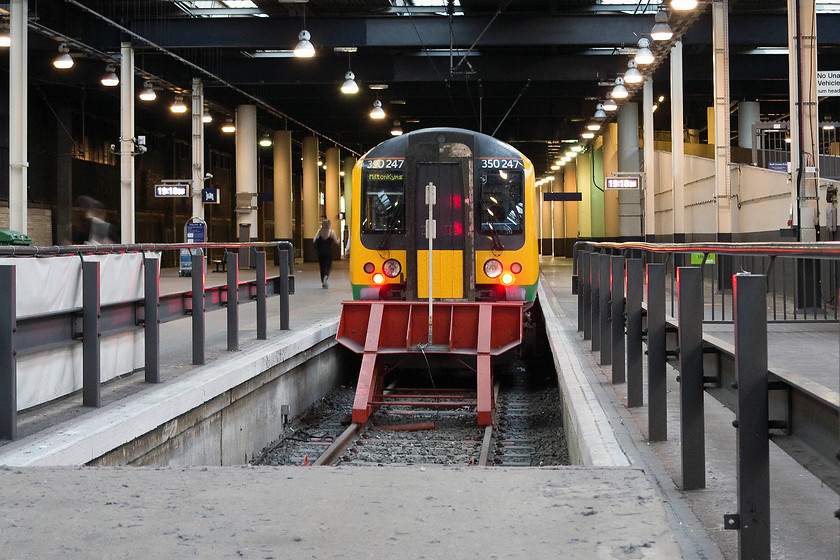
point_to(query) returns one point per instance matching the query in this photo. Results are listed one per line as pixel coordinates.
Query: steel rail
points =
(339, 445)
(487, 441)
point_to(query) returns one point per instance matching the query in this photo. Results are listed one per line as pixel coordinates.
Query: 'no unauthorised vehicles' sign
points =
(828, 83)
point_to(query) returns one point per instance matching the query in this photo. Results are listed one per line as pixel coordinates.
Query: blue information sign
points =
(194, 232)
(210, 196)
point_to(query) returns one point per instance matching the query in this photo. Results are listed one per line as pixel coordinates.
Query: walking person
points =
(324, 240)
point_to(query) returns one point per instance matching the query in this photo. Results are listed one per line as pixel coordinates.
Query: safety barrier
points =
(86, 319)
(802, 418)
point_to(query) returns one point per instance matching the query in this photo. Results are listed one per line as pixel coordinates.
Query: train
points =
(482, 220)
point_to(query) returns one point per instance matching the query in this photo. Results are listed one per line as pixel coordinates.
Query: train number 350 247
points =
(500, 163)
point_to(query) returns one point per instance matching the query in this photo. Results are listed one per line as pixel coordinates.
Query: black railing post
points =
(635, 383)
(232, 301)
(692, 430)
(604, 307)
(91, 374)
(617, 315)
(284, 290)
(752, 438)
(151, 314)
(586, 289)
(262, 319)
(8, 357)
(657, 387)
(595, 298)
(198, 279)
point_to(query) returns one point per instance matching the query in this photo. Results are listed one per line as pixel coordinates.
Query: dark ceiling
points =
(531, 79)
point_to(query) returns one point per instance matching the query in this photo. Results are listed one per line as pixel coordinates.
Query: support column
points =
(558, 216)
(649, 167)
(18, 111)
(610, 139)
(570, 208)
(332, 198)
(546, 235)
(64, 176)
(804, 121)
(723, 151)
(349, 164)
(311, 197)
(283, 185)
(749, 113)
(197, 148)
(629, 202)
(246, 170)
(677, 148)
(127, 206)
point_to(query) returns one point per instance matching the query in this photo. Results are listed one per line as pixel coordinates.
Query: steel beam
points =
(635, 281)
(595, 298)
(752, 416)
(198, 282)
(151, 318)
(617, 315)
(657, 388)
(586, 291)
(232, 301)
(692, 429)
(262, 319)
(284, 289)
(8, 357)
(604, 308)
(91, 374)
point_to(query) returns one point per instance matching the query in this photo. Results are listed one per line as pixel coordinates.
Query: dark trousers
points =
(326, 265)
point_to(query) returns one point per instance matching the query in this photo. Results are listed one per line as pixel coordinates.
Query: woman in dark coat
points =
(324, 240)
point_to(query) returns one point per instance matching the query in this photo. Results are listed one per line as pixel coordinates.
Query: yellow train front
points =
(485, 240)
(443, 260)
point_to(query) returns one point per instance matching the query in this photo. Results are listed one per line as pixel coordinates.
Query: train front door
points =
(448, 245)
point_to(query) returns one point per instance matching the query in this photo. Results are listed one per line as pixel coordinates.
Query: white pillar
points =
(629, 202)
(649, 183)
(18, 111)
(197, 147)
(749, 113)
(246, 166)
(804, 120)
(723, 151)
(283, 184)
(349, 164)
(127, 206)
(677, 148)
(332, 198)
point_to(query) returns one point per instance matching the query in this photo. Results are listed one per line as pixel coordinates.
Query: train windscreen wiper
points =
(383, 245)
(497, 241)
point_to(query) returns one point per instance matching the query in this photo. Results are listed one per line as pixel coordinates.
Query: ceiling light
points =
(5, 38)
(378, 86)
(110, 79)
(828, 126)
(588, 135)
(643, 55)
(683, 5)
(599, 112)
(661, 31)
(593, 126)
(378, 112)
(610, 105)
(178, 106)
(349, 86)
(148, 92)
(228, 127)
(577, 148)
(63, 61)
(654, 108)
(555, 167)
(265, 141)
(661, 98)
(304, 48)
(397, 129)
(632, 76)
(619, 91)
(206, 117)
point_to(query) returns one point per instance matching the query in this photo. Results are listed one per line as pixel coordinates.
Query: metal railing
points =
(802, 418)
(86, 325)
(772, 150)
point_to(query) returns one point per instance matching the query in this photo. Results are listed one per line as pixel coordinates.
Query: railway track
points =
(528, 432)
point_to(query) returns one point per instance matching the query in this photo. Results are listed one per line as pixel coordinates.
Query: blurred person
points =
(90, 227)
(324, 240)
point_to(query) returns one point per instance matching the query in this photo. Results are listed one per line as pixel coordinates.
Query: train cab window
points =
(383, 201)
(501, 207)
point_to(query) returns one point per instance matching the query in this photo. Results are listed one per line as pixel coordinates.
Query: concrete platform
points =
(352, 513)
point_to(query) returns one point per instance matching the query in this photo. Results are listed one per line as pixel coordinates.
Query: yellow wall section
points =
(447, 272)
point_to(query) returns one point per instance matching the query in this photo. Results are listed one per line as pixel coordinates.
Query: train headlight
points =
(507, 278)
(516, 268)
(369, 267)
(378, 278)
(492, 268)
(391, 268)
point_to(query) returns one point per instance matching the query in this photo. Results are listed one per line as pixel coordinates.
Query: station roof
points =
(529, 72)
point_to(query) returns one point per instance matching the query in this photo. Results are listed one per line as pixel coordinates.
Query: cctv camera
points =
(208, 176)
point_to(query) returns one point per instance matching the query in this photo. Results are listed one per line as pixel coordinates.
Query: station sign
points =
(622, 183)
(210, 196)
(828, 83)
(172, 188)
